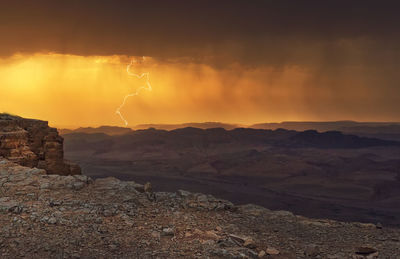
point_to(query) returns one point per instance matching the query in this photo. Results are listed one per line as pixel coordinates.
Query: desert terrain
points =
(321, 175)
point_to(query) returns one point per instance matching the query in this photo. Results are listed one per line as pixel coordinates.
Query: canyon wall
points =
(33, 143)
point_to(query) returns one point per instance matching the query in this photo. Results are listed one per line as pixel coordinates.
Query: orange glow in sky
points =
(72, 91)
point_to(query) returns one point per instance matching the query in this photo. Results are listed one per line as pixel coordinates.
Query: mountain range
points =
(382, 130)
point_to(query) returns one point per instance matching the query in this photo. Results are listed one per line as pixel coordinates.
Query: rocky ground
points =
(44, 216)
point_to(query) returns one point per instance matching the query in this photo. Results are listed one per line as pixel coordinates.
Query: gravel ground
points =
(52, 216)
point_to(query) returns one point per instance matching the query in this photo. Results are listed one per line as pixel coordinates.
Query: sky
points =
(231, 61)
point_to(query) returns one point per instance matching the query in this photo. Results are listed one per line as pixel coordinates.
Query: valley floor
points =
(340, 197)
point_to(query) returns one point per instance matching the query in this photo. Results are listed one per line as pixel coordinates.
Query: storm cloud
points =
(250, 32)
(318, 60)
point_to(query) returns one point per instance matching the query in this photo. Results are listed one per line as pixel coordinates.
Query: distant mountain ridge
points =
(200, 125)
(115, 130)
(109, 130)
(321, 125)
(216, 136)
(381, 130)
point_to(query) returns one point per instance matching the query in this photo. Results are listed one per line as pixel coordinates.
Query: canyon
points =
(48, 210)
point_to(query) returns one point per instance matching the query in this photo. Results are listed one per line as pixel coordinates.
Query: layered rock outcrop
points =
(33, 143)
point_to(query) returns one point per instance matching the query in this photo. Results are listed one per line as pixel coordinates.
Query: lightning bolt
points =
(147, 87)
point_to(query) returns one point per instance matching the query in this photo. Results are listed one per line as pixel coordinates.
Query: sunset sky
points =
(230, 61)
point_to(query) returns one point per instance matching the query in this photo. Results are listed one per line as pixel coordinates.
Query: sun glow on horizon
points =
(85, 91)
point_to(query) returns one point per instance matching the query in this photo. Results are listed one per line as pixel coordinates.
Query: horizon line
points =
(238, 125)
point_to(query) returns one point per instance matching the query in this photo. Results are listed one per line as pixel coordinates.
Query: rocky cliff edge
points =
(33, 143)
(54, 216)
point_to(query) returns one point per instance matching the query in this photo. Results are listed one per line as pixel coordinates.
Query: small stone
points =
(155, 234)
(147, 187)
(82, 178)
(272, 251)
(236, 238)
(261, 254)
(54, 203)
(16, 209)
(138, 187)
(78, 185)
(52, 220)
(167, 232)
(218, 228)
(211, 235)
(198, 232)
(373, 255)
(109, 213)
(365, 250)
(202, 198)
(183, 193)
(208, 242)
(311, 250)
(379, 225)
(249, 243)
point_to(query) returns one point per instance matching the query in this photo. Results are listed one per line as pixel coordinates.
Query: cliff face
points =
(33, 143)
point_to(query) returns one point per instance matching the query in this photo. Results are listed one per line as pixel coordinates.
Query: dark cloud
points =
(349, 49)
(251, 32)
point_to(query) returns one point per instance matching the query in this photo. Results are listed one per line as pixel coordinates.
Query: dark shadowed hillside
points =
(389, 132)
(320, 125)
(328, 174)
(114, 130)
(382, 130)
(109, 130)
(200, 125)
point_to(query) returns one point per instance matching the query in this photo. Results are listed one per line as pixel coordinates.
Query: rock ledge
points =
(33, 143)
